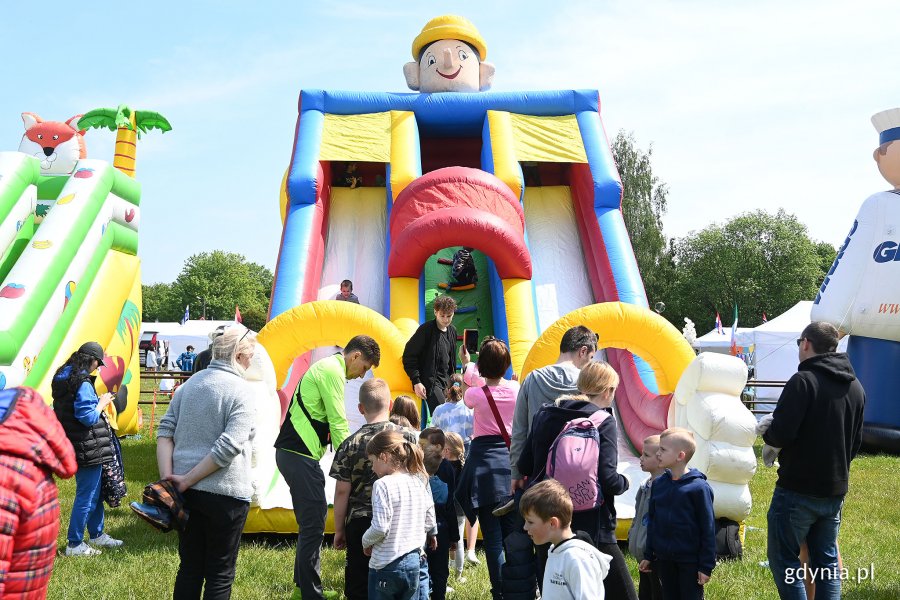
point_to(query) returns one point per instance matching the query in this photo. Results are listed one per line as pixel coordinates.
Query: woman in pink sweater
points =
(484, 481)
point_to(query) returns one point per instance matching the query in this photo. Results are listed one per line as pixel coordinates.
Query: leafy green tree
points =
(827, 253)
(158, 304)
(254, 317)
(759, 261)
(644, 200)
(221, 280)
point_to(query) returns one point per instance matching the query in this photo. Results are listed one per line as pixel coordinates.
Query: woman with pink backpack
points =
(574, 441)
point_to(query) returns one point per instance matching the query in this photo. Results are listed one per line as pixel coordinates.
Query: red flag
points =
(237, 314)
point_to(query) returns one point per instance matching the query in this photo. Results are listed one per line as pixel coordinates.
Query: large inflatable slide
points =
(69, 270)
(383, 188)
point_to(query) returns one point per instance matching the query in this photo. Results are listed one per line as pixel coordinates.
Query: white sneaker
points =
(472, 558)
(81, 549)
(105, 541)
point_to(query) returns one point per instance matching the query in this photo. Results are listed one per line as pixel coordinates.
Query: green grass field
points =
(145, 567)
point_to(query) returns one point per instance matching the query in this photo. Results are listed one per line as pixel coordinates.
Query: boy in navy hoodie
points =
(681, 532)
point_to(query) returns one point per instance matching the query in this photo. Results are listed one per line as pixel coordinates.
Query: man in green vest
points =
(315, 418)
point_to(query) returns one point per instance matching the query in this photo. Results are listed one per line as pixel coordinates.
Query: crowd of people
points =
(534, 464)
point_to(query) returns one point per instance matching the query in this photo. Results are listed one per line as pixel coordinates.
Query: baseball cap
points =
(94, 350)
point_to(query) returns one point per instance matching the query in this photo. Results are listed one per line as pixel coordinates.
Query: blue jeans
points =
(398, 580)
(793, 518)
(88, 506)
(493, 531)
(424, 592)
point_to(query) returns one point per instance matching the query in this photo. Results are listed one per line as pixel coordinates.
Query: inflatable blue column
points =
(876, 364)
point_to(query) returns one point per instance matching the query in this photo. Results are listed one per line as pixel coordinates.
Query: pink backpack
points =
(573, 460)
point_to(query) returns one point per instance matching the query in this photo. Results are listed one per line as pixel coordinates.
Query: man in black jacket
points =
(818, 426)
(429, 357)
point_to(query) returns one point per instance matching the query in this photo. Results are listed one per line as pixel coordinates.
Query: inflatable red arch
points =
(458, 206)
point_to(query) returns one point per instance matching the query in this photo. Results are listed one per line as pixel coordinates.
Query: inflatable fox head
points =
(56, 144)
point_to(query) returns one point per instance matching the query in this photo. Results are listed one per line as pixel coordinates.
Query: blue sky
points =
(748, 105)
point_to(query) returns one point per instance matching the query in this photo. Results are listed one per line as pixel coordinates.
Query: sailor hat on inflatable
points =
(887, 124)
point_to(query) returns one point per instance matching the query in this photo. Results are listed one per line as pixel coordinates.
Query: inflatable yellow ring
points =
(333, 323)
(638, 330)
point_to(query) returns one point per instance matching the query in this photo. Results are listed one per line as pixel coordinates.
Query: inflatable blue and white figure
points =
(861, 294)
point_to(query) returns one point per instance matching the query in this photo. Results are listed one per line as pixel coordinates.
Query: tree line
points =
(216, 281)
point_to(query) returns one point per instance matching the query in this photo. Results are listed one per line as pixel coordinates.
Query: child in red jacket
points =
(33, 448)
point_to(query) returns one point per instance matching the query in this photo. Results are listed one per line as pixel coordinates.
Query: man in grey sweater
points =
(545, 385)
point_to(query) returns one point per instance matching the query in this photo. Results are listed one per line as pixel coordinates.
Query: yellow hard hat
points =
(449, 27)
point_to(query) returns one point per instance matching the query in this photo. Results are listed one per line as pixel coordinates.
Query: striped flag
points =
(765, 320)
(734, 325)
(719, 329)
(187, 314)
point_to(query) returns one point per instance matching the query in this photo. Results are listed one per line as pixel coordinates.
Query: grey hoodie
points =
(542, 386)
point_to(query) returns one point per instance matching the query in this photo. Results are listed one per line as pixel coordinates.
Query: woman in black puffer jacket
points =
(81, 414)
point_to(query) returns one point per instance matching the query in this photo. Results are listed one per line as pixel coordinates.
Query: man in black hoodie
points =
(818, 426)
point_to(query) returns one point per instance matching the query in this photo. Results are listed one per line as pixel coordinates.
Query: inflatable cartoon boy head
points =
(449, 55)
(56, 144)
(887, 155)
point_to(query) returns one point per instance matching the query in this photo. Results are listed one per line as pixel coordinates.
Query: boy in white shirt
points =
(575, 569)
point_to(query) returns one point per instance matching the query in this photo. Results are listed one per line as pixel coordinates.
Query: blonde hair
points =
(596, 378)
(683, 438)
(406, 407)
(374, 396)
(548, 499)
(393, 447)
(652, 440)
(236, 339)
(455, 446)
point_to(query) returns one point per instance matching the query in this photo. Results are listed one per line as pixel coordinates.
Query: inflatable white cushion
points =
(709, 373)
(707, 402)
(730, 500)
(721, 417)
(725, 462)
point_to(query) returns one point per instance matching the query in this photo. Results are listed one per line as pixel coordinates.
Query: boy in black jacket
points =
(429, 357)
(681, 531)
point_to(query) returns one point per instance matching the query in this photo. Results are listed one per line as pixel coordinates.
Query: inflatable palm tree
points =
(128, 125)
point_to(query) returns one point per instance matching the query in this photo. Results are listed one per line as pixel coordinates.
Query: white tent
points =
(176, 337)
(721, 342)
(773, 347)
(776, 347)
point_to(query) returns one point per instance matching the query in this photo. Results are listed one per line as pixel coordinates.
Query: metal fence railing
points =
(748, 397)
(156, 396)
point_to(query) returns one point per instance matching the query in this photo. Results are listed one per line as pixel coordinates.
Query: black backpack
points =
(728, 540)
